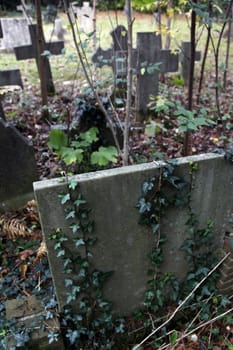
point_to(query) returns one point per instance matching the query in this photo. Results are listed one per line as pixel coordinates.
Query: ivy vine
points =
(93, 325)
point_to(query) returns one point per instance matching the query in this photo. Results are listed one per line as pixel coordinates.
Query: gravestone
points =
(122, 244)
(15, 33)
(31, 51)
(185, 60)
(58, 30)
(18, 168)
(9, 77)
(85, 14)
(157, 61)
(148, 60)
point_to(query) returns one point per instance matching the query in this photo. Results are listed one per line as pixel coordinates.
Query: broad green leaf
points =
(71, 155)
(90, 135)
(57, 139)
(104, 156)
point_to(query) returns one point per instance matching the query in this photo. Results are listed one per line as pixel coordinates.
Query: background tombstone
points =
(148, 60)
(31, 51)
(9, 77)
(18, 168)
(15, 33)
(157, 61)
(185, 59)
(85, 13)
(58, 30)
(116, 58)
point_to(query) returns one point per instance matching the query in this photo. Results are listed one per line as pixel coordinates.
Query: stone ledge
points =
(30, 314)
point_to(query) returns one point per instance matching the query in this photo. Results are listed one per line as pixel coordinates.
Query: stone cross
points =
(151, 62)
(86, 14)
(185, 59)
(115, 57)
(148, 61)
(31, 51)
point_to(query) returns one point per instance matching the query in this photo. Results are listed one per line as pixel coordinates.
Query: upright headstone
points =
(9, 77)
(31, 51)
(85, 14)
(151, 62)
(185, 60)
(58, 30)
(18, 168)
(15, 33)
(148, 61)
(123, 245)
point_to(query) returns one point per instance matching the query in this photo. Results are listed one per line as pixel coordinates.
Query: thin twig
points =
(182, 303)
(90, 83)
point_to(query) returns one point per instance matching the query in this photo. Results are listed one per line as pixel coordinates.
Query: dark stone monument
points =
(31, 51)
(148, 61)
(18, 168)
(185, 60)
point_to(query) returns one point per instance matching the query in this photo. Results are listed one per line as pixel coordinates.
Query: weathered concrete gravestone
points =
(31, 51)
(18, 168)
(15, 33)
(122, 244)
(185, 60)
(148, 61)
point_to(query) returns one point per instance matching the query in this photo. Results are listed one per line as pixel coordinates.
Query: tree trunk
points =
(129, 83)
(229, 34)
(40, 46)
(188, 136)
(209, 27)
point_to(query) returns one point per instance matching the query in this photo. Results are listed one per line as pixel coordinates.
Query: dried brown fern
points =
(13, 228)
(41, 251)
(31, 210)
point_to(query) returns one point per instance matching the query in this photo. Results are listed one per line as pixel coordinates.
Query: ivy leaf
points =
(61, 253)
(73, 184)
(65, 198)
(173, 337)
(79, 242)
(68, 282)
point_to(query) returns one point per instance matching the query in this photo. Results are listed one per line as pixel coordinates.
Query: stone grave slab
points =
(185, 60)
(18, 168)
(30, 314)
(15, 33)
(31, 51)
(122, 244)
(148, 61)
